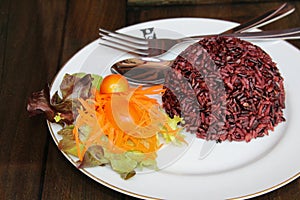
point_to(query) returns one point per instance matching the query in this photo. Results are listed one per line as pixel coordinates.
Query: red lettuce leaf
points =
(71, 88)
(39, 103)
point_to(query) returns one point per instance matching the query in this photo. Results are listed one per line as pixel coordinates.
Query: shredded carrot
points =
(133, 128)
(79, 153)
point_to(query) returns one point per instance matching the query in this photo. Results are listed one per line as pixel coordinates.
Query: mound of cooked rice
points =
(225, 89)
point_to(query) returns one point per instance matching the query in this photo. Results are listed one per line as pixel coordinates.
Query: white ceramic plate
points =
(231, 170)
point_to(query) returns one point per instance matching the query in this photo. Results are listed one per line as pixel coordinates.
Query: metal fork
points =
(151, 70)
(154, 47)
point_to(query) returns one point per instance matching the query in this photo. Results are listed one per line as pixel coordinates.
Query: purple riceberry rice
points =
(225, 89)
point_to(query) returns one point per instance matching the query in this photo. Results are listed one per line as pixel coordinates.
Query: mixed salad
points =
(106, 122)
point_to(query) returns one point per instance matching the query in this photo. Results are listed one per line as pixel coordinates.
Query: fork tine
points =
(124, 42)
(121, 41)
(124, 37)
(121, 47)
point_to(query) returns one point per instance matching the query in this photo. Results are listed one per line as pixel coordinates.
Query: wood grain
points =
(28, 62)
(238, 12)
(142, 3)
(85, 18)
(36, 39)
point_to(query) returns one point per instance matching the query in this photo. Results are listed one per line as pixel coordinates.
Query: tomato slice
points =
(114, 83)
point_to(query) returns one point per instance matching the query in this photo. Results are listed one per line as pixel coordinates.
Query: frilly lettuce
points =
(62, 108)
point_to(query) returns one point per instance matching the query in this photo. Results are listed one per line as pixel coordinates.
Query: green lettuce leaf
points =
(67, 144)
(124, 163)
(97, 80)
(177, 138)
(94, 156)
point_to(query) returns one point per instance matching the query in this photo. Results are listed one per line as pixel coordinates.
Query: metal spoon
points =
(144, 70)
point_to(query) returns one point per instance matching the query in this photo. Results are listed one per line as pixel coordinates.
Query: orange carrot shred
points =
(144, 114)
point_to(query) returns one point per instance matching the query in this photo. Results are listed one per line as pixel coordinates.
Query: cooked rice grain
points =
(225, 89)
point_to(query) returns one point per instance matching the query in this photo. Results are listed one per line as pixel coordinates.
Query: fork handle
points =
(266, 18)
(292, 33)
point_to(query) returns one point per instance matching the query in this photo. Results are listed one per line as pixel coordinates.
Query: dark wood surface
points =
(36, 39)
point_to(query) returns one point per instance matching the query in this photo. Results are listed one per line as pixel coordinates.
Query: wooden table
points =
(36, 39)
